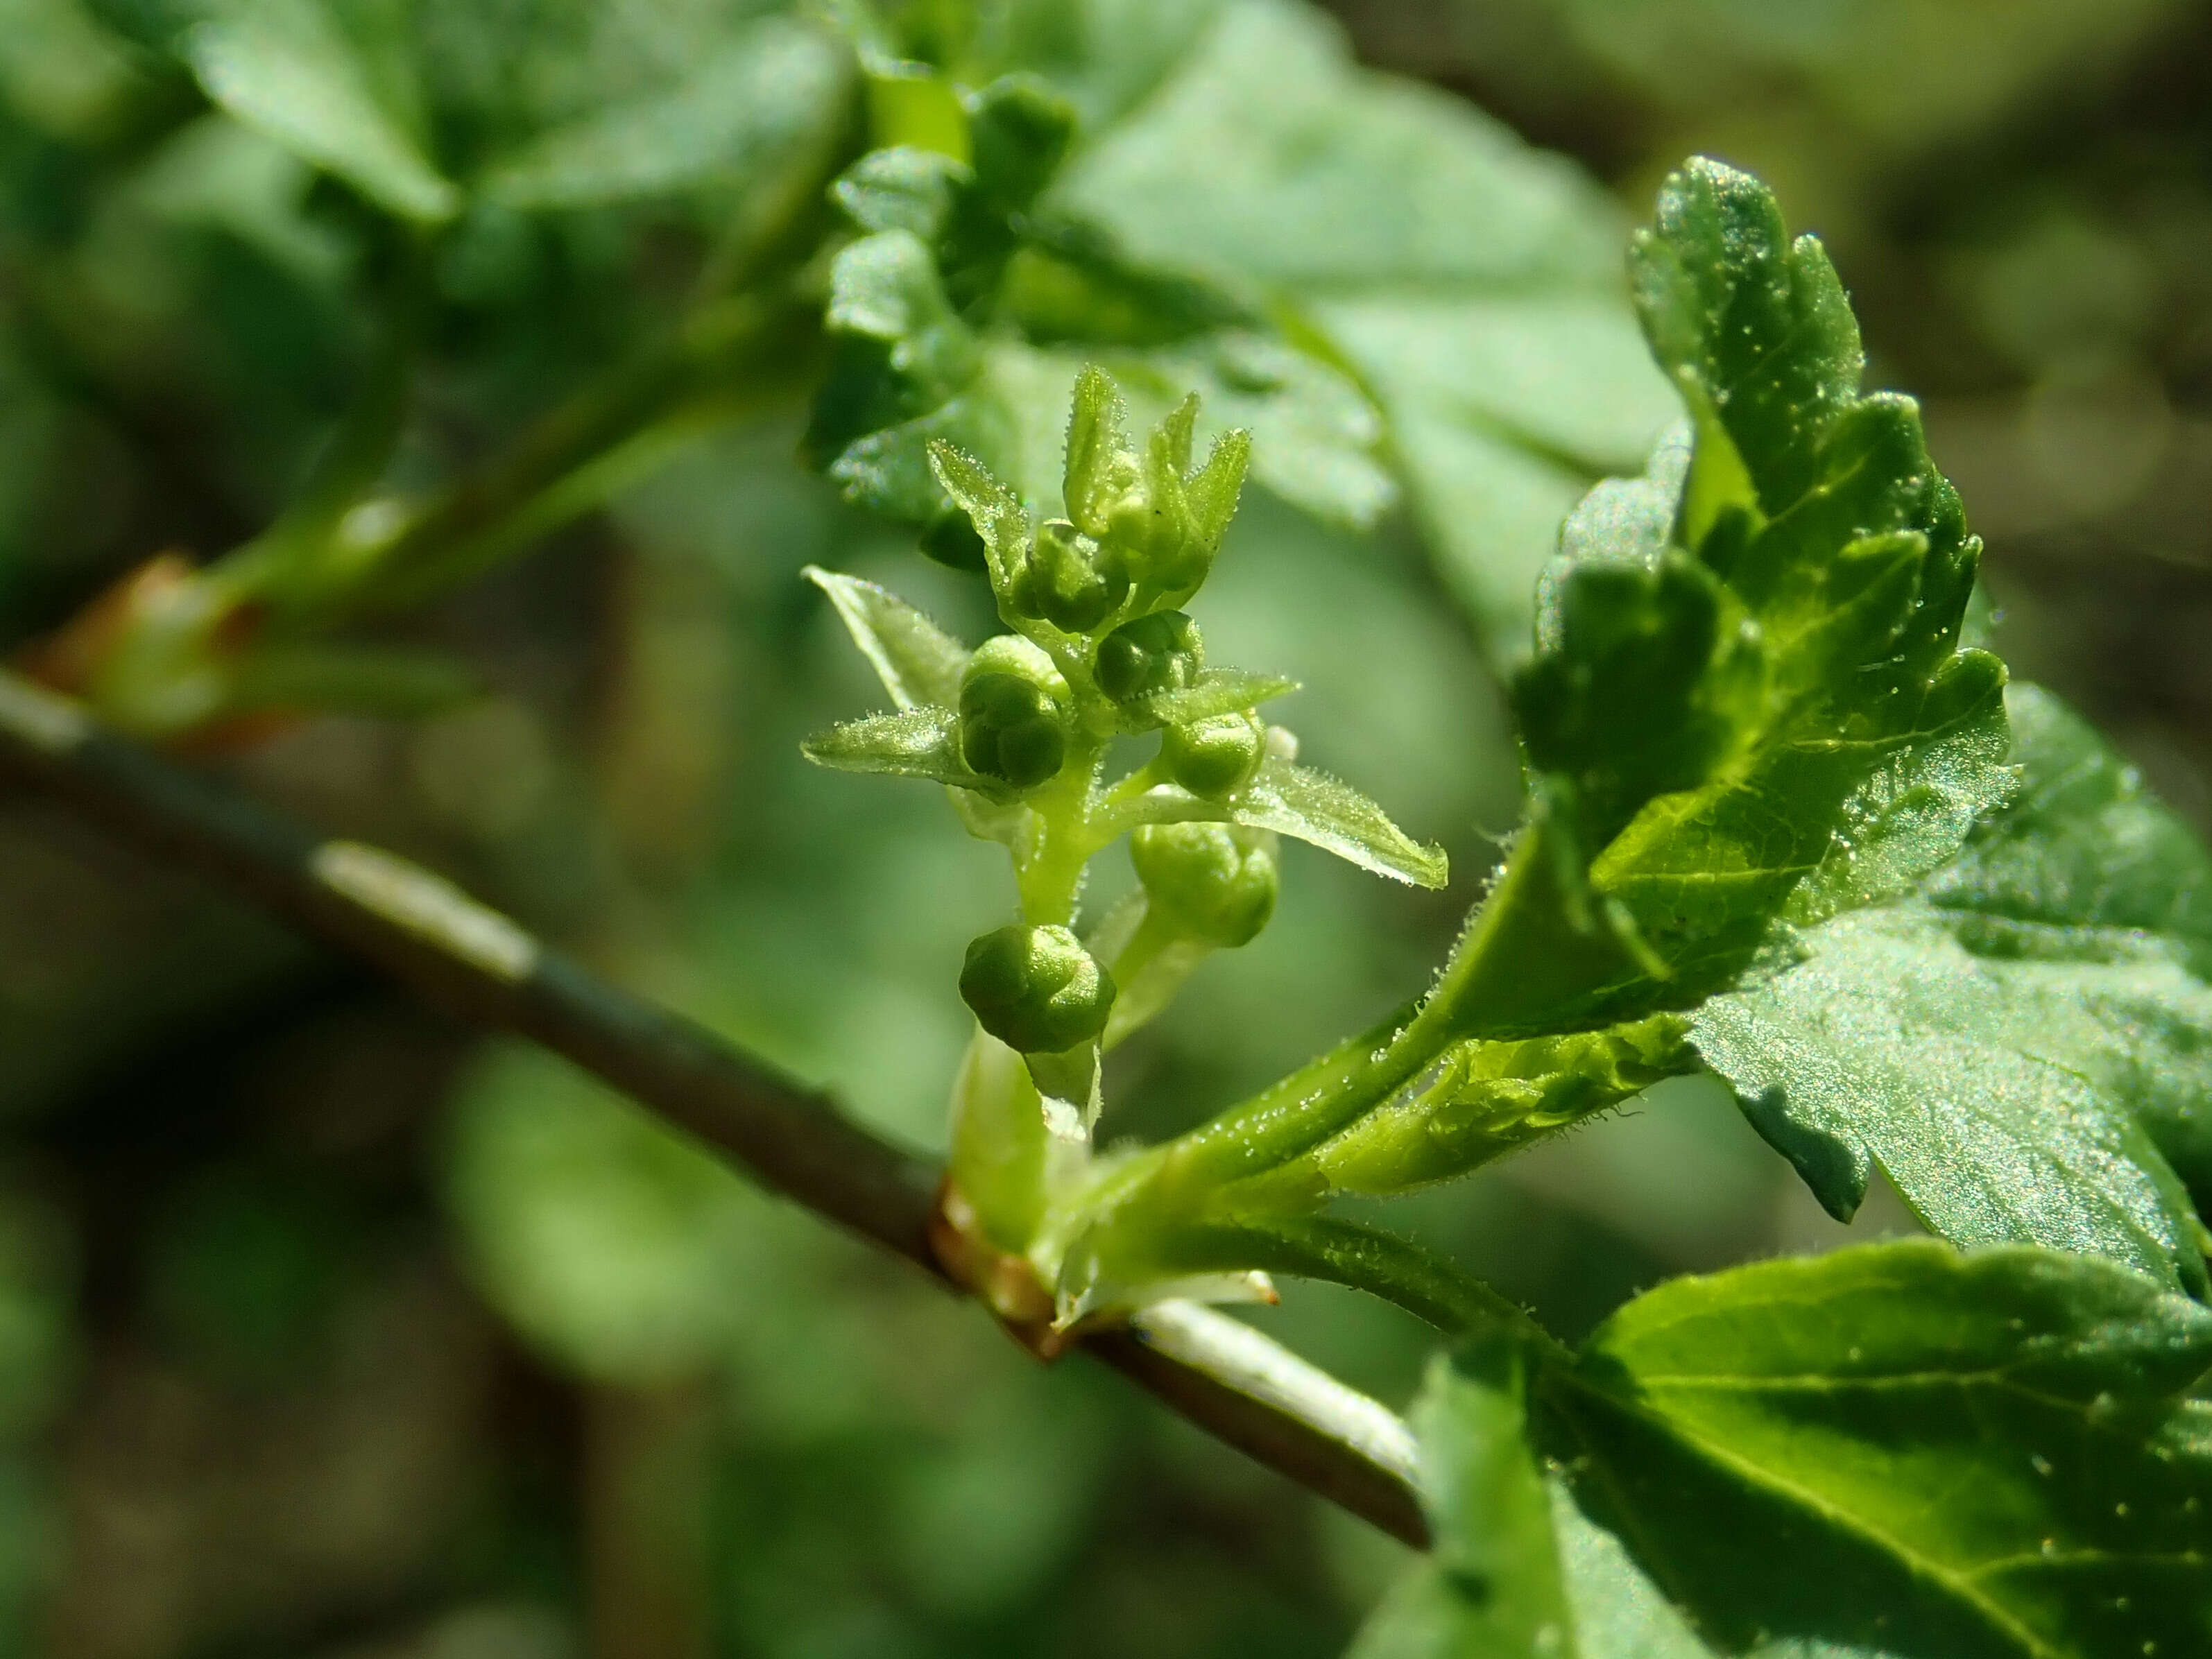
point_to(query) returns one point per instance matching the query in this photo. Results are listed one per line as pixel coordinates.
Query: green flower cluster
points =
(1099, 648)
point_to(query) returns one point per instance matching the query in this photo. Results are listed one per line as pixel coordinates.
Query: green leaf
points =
(2015, 1044)
(1475, 284)
(1062, 292)
(919, 664)
(776, 89)
(1995, 1097)
(2086, 866)
(1493, 1584)
(286, 68)
(1889, 1453)
(1905, 1450)
(917, 743)
(1312, 806)
(1218, 691)
(1712, 714)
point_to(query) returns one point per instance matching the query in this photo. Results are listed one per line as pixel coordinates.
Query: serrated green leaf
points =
(2085, 860)
(286, 68)
(2020, 1045)
(1904, 1450)
(1890, 1453)
(1312, 806)
(1997, 1096)
(918, 662)
(777, 87)
(916, 743)
(1711, 715)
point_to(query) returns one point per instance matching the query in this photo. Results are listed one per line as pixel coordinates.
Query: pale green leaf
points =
(1218, 691)
(916, 743)
(1312, 806)
(288, 70)
(918, 662)
(1475, 282)
(777, 88)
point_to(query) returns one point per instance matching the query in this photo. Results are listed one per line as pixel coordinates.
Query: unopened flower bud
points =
(1036, 990)
(1214, 882)
(1014, 713)
(1214, 757)
(1159, 652)
(1068, 580)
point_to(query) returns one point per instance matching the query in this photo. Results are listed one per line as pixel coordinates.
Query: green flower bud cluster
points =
(1068, 579)
(1163, 652)
(1161, 518)
(1016, 712)
(1036, 990)
(1214, 883)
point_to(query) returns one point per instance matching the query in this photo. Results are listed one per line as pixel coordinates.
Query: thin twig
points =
(475, 963)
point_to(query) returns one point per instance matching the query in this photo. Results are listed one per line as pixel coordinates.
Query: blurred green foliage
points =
(324, 1333)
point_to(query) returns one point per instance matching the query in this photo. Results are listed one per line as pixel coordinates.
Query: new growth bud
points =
(1036, 990)
(1014, 713)
(1214, 758)
(1213, 883)
(1068, 580)
(1164, 517)
(1159, 652)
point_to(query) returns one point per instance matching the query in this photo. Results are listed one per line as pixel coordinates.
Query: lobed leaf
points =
(1896, 1451)
(919, 663)
(2021, 1044)
(1708, 713)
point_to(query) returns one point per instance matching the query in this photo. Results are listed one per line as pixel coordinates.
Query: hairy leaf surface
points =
(1714, 708)
(1896, 1451)
(2020, 1045)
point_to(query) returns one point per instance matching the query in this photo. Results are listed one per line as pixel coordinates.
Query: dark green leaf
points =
(1713, 716)
(1891, 1453)
(1905, 1450)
